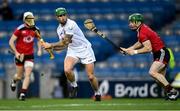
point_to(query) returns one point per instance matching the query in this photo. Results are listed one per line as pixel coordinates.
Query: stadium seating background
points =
(110, 16)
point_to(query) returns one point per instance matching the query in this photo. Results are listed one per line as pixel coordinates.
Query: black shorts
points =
(26, 58)
(162, 56)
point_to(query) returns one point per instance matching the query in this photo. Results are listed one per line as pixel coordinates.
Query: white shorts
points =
(28, 64)
(85, 56)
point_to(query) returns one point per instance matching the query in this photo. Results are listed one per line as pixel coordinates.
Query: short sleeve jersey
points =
(146, 33)
(25, 39)
(79, 42)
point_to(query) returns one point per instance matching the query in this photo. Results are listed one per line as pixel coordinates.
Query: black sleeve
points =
(36, 28)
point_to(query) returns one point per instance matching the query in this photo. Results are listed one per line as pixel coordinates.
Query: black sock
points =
(168, 88)
(23, 91)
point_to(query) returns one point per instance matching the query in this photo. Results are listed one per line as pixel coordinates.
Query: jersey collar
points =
(138, 29)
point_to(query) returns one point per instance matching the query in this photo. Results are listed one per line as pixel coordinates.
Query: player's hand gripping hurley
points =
(20, 57)
(89, 24)
(41, 40)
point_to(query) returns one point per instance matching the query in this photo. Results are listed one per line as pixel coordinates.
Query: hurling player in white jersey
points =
(79, 50)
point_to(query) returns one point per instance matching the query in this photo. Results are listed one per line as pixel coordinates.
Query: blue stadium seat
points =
(2, 73)
(116, 28)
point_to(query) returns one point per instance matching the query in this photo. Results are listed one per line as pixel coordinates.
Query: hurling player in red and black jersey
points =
(149, 41)
(21, 43)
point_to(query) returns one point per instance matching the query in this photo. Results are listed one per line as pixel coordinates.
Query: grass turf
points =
(89, 104)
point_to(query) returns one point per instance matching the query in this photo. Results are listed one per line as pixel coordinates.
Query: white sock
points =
(97, 93)
(74, 84)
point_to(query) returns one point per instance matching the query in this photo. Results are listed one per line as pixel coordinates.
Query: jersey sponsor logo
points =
(28, 39)
(89, 60)
(23, 32)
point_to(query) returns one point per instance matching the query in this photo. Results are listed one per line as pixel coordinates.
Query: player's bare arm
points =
(39, 52)
(137, 45)
(145, 49)
(12, 46)
(59, 45)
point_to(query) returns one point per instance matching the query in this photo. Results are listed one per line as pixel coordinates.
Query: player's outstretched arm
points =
(59, 45)
(130, 50)
(146, 47)
(136, 46)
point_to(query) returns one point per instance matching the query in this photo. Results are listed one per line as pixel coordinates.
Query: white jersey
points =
(80, 48)
(79, 42)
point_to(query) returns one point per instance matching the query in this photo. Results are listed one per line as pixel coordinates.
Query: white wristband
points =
(135, 52)
(41, 40)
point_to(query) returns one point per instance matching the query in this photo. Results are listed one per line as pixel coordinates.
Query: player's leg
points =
(69, 63)
(156, 67)
(17, 77)
(163, 72)
(93, 80)
(88, 60)
(157, 71)
(28, 66)
(173, 93)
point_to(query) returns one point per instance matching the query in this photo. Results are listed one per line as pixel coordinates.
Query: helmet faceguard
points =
(28, 19)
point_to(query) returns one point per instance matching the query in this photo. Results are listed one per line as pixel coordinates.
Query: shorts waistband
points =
(164, 48)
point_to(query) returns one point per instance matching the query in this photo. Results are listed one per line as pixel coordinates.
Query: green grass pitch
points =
(89, 104)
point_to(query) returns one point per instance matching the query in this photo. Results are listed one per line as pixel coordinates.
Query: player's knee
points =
(68, 71)
(91, 77)
(152, 73)
(27, 75)
(18, 76)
